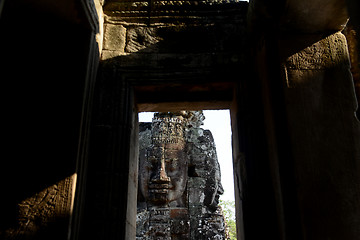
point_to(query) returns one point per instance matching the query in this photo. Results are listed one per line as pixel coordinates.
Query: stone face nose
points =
(161, 175)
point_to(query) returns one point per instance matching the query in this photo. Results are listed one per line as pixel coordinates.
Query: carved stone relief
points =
(179, 180)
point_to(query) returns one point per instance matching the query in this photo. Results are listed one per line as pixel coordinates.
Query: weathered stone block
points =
(196, 196)
(141, 38)
(43, 209)
(143, 218)
(197, 210)
(178, 213)
(114, 37)
(203, 172)
(180, 226)
(326, 53)
(160, 214)
(307, 67)
(180, 223)
(196, 182)
(160, 231)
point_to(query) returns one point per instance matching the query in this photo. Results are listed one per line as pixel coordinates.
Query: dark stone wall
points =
(310, 107)
(44, 73)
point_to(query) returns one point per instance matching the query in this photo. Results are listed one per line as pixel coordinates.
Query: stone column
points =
(324, 138)
(111, 186)
(309, 105)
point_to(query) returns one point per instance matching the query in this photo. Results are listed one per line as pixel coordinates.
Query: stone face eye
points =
(172, 163)
(152, 161)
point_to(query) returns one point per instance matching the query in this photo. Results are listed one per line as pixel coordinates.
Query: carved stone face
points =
(163, 169)
(163, 173)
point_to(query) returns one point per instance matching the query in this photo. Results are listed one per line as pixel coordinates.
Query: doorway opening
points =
(218, 123)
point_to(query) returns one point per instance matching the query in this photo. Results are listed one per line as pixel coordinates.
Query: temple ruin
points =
(179, 180)
(76, 73)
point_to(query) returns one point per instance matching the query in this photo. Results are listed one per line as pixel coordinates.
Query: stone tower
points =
(179, 179)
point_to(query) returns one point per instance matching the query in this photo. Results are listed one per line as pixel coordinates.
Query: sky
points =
(218, 122)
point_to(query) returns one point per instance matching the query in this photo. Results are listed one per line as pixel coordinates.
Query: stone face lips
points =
(179, 180)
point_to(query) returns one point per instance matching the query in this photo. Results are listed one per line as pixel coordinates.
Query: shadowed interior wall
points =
(44, 74)
(315, 132)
